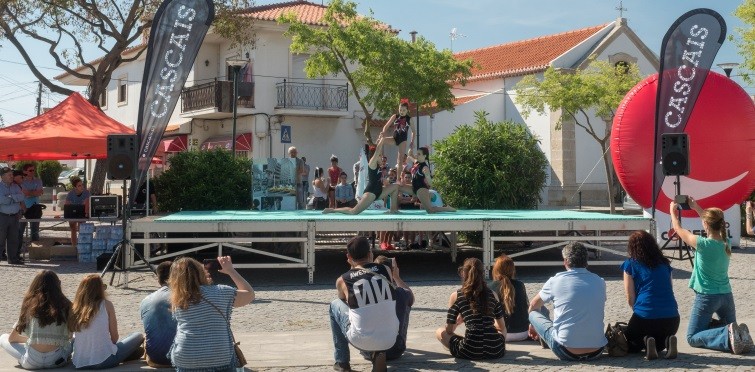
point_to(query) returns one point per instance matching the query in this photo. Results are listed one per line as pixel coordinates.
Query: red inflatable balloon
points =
(721, 132)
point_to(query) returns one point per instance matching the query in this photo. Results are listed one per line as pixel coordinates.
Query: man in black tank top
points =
(367, 299)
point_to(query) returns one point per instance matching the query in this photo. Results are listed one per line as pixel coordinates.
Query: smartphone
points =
(683, 201)
(211, 264)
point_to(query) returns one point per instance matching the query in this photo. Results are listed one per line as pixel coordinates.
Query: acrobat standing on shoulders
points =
(401, 125)
(374, 189)
(421, 181)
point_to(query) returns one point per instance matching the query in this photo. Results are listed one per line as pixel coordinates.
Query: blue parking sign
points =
(285, 134)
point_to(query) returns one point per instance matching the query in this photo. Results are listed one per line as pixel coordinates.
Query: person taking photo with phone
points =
(201, 308)
(710, 281)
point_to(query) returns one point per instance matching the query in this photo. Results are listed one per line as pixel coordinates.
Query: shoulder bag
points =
(617, 339)
(236, 348)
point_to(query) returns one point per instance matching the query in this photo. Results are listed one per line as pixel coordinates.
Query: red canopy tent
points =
(74, 129)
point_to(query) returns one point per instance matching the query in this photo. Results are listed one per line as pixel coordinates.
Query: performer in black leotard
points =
(421, 181)
(399, 125)
(375, 189)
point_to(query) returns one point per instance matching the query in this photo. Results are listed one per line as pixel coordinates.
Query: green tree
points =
(746, 41)
(49, 170)
(205, 180)
(597, 89)
(489, 166)
(78, 32)
(380, 67)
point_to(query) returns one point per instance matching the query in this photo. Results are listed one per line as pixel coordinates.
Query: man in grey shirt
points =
(579, 298)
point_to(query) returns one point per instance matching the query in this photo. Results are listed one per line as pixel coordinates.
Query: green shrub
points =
(205, 180)
(490, 166)
(48, 171)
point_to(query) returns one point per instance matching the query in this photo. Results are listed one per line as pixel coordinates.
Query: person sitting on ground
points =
(513, 296)
(375, 189)
(369, 322)
(158, 321)
(201, 308)
(95, 329)
(710, 281)
(344, 193)
(475, 305)
(650, 294)
(78, 196)
(404, 302)
(40, 338)
(579, 298)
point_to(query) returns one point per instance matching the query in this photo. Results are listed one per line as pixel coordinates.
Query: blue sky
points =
(482, 22)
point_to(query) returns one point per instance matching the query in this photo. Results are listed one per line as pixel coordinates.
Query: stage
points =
(241, 230)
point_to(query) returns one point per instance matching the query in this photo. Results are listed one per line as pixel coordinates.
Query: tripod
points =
(682, 248)
(119, 250)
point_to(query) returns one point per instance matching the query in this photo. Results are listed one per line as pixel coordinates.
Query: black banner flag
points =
(687, 53)
(178, 29)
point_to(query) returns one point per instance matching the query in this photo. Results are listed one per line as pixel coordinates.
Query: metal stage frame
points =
(302, 227)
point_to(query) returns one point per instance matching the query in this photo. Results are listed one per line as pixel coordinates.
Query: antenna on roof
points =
(455, 35)
(621, 9)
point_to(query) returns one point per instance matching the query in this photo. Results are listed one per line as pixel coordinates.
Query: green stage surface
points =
(404, 215)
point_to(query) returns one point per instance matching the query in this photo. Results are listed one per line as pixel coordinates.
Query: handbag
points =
(617, 339)
(34, 212)
(236, 348)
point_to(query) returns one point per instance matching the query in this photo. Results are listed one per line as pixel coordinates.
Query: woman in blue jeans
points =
(95, 329)
(710, 281)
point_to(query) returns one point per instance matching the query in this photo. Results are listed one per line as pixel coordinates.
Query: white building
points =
(323, 116)
(325, 119)
(574, 157)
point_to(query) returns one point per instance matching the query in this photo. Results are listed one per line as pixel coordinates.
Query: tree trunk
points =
(609, 177)
(98, 177)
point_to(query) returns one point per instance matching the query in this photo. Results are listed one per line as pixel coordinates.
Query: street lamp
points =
(236, 64)
(728, 67)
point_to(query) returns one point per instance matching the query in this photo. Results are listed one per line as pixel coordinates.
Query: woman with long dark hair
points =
(513, 297)
(421, 181)
(40, 338)
(204, 340)
(710, 281)
(475, 305)
(650, 294)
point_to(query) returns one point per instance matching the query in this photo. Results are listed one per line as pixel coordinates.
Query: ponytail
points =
(507, 295)
(725, 237)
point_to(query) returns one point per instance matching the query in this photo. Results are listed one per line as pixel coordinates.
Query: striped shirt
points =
(481, 339)
(203, 338)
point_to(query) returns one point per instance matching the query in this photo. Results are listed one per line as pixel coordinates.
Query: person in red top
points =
(334, 172)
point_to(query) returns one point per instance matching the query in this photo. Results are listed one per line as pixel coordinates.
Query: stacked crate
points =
(84, 245)
(101, 244)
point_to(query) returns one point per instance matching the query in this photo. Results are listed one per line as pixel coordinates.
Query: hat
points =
(5, 170)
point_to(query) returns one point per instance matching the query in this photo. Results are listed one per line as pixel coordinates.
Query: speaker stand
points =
(684, 251)
(120, 249)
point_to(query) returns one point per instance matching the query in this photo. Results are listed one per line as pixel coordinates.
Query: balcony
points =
(312, 97)
(214, 100)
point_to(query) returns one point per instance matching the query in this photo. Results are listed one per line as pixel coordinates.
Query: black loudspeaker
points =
(121, 156)
(675, 154)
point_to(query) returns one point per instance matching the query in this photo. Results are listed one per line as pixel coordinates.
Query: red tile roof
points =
(307, 12)
(525, 56)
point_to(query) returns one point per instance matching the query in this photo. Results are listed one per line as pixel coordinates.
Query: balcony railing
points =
(218, 95)
(313, 96)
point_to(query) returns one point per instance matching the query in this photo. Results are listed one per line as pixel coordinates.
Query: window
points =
(123, 90)
(103, 99)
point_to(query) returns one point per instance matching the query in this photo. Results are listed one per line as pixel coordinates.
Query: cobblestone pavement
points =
(285, 303)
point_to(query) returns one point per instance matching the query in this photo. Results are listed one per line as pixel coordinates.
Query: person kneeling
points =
(366, 297)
